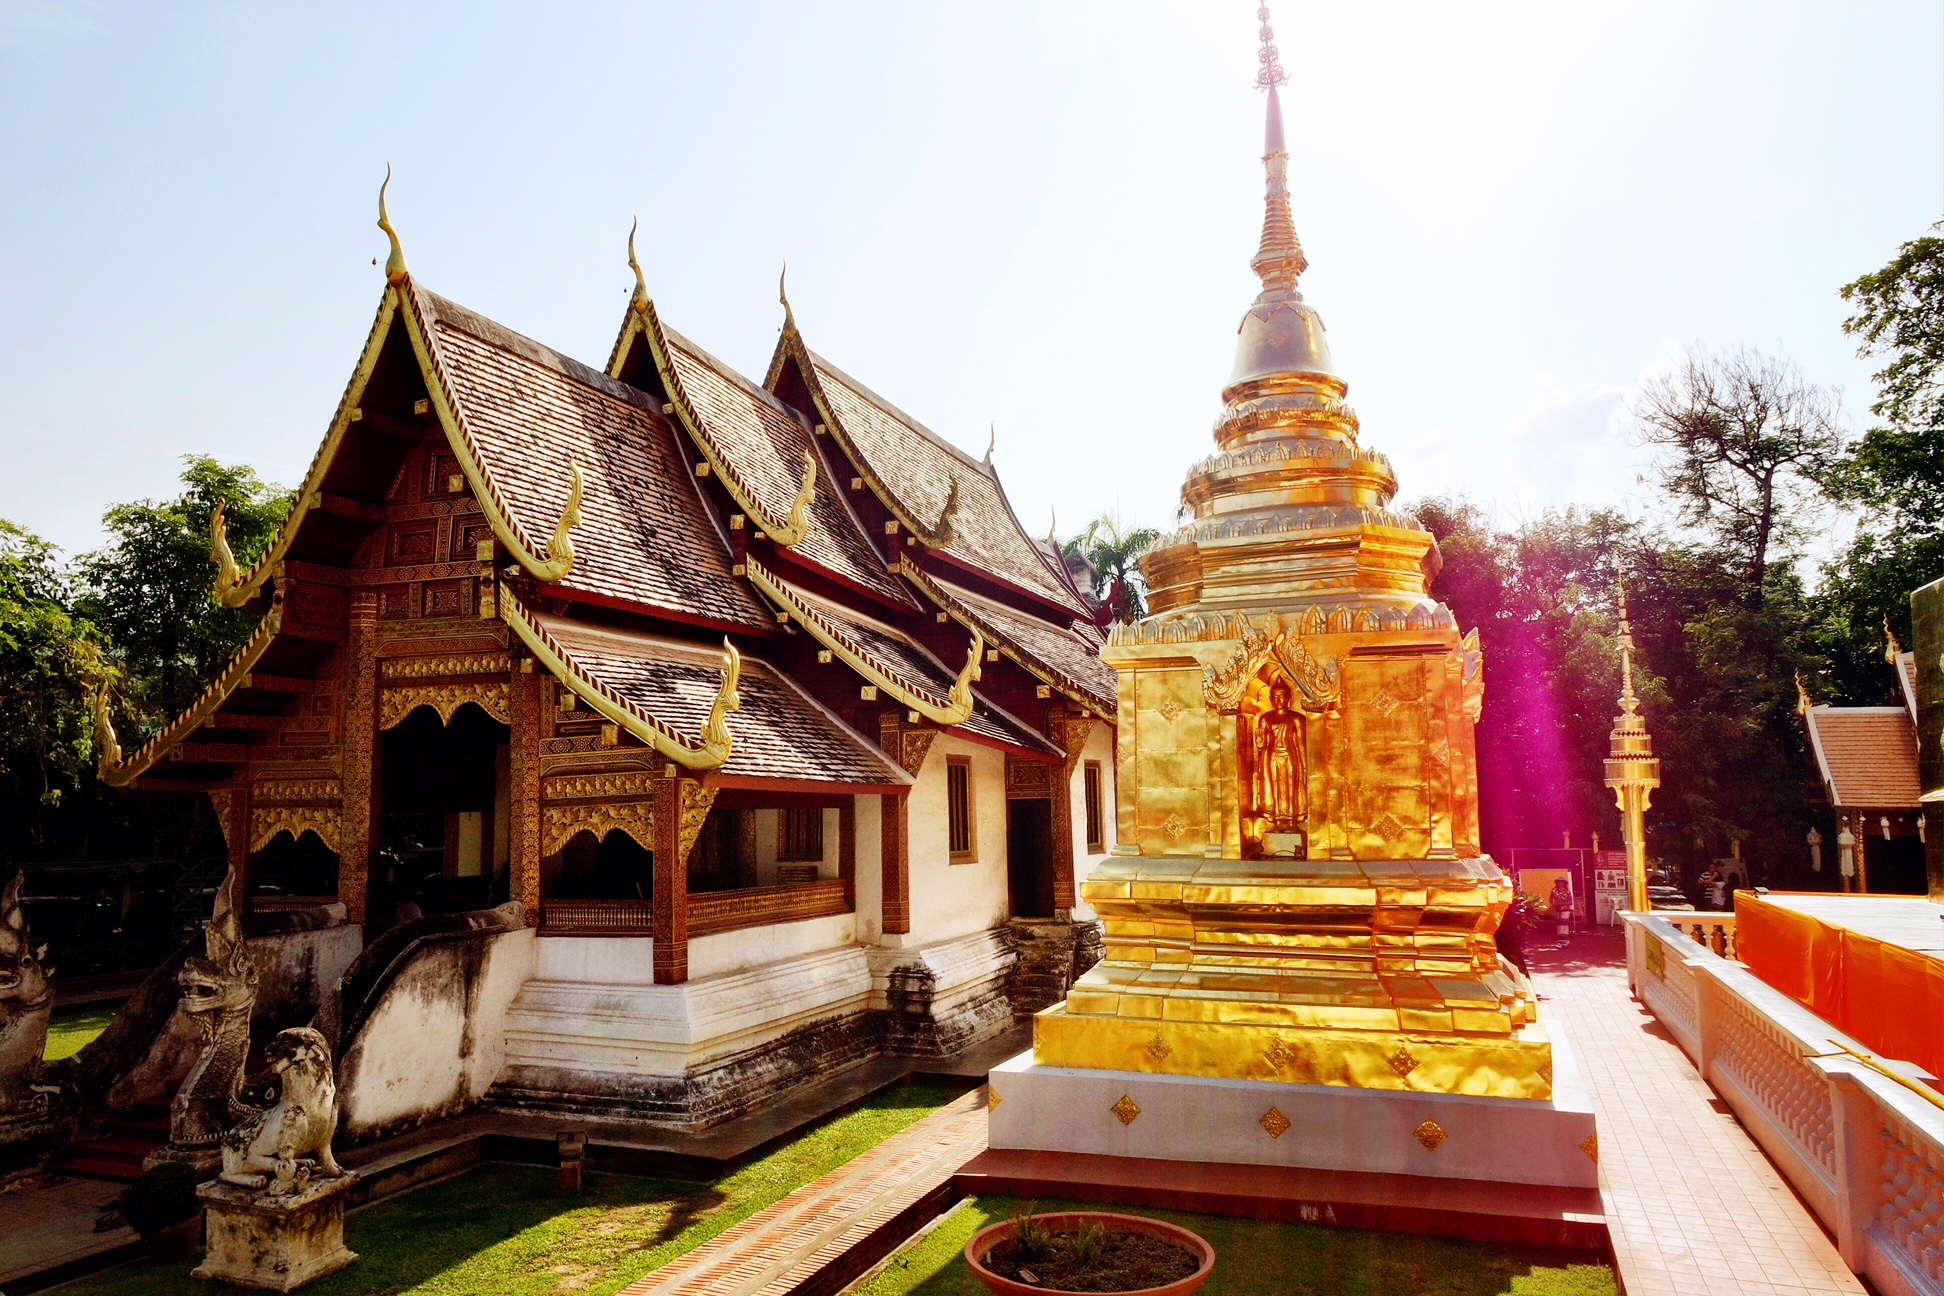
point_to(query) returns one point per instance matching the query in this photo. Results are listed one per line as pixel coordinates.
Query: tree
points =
(1115, 550)
(1748, 436)
(1893, 475)
(47, 663)
(150, 589)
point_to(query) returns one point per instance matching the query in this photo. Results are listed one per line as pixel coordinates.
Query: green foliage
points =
(1894, 475)
(1714, 668)
(1115, 550)
(1261, 1258)
(47, 659)
(150, 589)
(1747, 438)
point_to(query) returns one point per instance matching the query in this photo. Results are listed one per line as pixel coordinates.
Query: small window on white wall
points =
(961, 838)
(1096, 831)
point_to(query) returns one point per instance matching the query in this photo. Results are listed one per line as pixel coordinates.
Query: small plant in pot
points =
(1089, 1251)
(163, 1207)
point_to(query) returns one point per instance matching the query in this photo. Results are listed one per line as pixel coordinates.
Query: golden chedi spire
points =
(1289, 474)
(1298, 892)
(1632, 772)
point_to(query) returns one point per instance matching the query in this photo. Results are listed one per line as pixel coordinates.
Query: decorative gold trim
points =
(711, 751)
(956, 708)
(696, 803)
(1158, 1049)
(559, 558)
(1126, 1111)
(495, 699)
(267, 821)
(1431, 1134)
(1592, 1147)
(559, 823)
(993, 1097)
(228, 574)
(269, 790)
(221, 800)
(1031, 664)
(396, 271)
(586, 787)
(1319, 682)
(437, 667)
(117, 771)
(1274, 1122)
(644, 321)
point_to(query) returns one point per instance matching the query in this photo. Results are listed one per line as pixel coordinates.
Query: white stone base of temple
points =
(943, 997)
(1329, 1127)
(592, 1006)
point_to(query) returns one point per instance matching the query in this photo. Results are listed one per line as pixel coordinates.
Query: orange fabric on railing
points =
(1889, 999)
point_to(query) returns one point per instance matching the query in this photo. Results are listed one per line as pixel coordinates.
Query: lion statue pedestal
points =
(276, 1213)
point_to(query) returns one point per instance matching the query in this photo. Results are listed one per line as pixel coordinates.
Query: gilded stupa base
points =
(1484, 1066)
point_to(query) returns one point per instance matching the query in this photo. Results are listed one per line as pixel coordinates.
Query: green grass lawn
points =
(70, 1032)
(505, 1230)
(1254, 1258)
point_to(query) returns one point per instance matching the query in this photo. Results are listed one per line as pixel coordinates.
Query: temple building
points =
(1868, 785)
(756, 697)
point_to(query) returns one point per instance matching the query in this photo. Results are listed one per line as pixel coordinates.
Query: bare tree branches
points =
(1747, 434)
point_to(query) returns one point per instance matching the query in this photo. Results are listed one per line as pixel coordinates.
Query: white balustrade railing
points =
(1714, 930)
(1861, 1149)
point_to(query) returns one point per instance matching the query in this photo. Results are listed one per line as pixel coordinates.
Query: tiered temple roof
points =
(630, 532)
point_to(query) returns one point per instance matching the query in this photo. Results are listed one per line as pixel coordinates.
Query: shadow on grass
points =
(1258, 1258)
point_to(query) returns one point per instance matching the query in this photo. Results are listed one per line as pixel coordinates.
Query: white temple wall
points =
(870, 869)
(949, 900)
(1099, 747)
(436, 1039)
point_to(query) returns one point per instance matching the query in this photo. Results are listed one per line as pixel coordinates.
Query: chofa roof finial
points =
(395, 268)
(640, 301)
(992, 440)
(1891, 648)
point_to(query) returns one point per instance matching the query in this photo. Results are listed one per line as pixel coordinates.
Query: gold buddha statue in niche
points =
(1297, 892)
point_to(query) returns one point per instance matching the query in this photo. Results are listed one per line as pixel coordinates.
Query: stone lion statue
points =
(292, 1138)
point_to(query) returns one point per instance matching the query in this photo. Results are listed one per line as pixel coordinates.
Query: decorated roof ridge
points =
(937, 534)
(1054, 567)
(963, 456)
(119, 771)
(644, 320)
(416, 305)
(954, 708)
(960, 605)
(234, 588)
(710, 751)
(559, 553)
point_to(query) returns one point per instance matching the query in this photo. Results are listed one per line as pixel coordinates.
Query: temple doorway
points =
(1029, 856)
(443, 815)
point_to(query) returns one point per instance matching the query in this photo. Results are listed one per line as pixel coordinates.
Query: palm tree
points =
(1115, 550)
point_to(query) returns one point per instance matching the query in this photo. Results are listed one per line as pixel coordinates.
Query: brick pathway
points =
(1693, 1205)
(776, 1250)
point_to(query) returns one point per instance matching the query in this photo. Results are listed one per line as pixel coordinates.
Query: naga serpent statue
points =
(219, 990)
(282, 1145)
(26, 1003)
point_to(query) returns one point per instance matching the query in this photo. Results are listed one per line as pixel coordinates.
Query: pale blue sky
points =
(1034, 214)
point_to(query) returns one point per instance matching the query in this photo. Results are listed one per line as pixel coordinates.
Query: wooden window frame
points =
(804, 844)
(966, 807)
(1094, 808)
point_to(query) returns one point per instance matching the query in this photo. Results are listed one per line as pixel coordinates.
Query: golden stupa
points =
(1298, 893)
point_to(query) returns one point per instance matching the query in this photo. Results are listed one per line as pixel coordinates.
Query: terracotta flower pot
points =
(174, 1242)
(984, 1240)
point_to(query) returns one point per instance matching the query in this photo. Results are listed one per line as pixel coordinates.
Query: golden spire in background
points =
(1632, 771)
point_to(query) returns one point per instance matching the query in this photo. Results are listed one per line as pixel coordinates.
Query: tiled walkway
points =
(776, 1250)
(1692, 1203)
